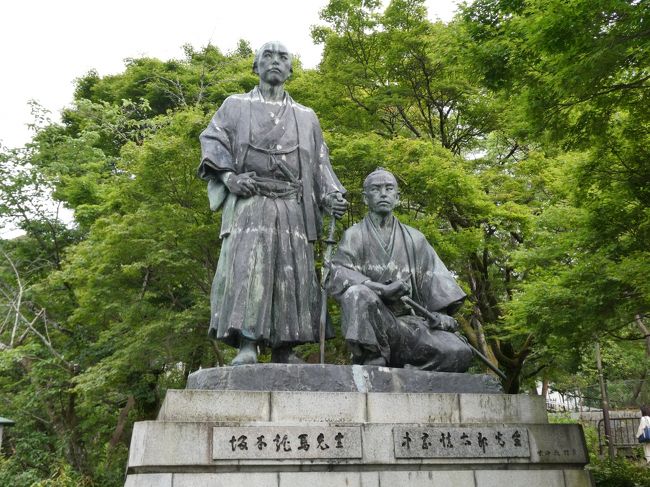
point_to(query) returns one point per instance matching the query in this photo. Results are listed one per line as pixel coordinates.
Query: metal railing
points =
(623, 433)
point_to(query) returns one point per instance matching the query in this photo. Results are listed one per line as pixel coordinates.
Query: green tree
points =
(404, 74)
(577, 75)
(102, 316)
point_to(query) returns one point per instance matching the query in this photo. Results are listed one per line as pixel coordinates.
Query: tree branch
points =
(18, 299)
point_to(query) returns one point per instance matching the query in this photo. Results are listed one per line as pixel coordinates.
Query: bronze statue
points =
(378, 262)
(268, 170)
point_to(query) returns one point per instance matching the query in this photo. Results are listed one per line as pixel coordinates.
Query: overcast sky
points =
(46, 44)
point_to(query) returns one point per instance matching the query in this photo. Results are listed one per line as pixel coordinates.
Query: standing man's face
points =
(274, 63)
(381, 194)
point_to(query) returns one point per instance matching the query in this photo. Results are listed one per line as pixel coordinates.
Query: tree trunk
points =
(646, 333)
(121, 422)
(638, 388)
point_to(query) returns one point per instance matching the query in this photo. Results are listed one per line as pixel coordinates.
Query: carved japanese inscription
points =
(285, 443)
(470, 442)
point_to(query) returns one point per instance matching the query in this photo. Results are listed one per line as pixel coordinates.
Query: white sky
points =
(46, 44)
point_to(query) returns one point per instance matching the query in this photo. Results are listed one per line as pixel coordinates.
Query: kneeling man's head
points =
(380, 191)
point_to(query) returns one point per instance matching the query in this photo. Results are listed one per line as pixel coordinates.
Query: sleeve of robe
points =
(326, 181)
(218, 141)
(437, 287)
(217, 152)
(346, 269)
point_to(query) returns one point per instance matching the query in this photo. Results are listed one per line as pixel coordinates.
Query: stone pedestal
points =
(338, 378)
(299, 438)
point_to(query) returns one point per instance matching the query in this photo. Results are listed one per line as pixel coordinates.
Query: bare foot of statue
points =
(285, 355)
(247, 353)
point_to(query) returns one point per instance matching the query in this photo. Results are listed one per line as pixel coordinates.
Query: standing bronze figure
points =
(268, 170)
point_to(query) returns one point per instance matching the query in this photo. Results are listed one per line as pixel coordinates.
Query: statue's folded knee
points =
(360, 294)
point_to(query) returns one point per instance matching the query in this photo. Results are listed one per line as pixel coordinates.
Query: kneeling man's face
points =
(380, 193)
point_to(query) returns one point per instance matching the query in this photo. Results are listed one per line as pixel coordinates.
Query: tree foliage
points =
(105, 313)
(578, 73)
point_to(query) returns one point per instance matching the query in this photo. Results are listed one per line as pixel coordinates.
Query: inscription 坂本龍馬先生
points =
(470, 442)
(285, 442)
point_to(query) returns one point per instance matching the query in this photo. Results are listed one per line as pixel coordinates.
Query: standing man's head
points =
(273, 63)
(380, 191)
(645, 410)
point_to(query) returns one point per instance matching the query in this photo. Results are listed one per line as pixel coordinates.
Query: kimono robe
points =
(388, 328)
(265, 287)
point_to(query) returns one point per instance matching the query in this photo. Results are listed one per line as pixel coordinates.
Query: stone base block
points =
(290, 438)
(447, 478)
(160, 446)
(350, 407)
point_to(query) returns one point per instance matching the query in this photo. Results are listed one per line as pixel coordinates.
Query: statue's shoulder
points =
(353, 233)
(237, 98)
(302, 109)
(231, 108)
(356, 228)
(417, 236)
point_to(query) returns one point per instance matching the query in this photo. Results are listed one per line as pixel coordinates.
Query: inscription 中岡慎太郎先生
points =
(471, 442)
(284, 443)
